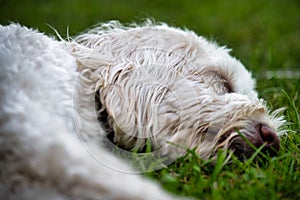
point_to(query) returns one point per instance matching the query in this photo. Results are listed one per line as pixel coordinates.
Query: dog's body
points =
(152, 82)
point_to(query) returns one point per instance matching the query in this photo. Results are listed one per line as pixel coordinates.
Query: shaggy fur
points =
(172, 86)
(151, 83)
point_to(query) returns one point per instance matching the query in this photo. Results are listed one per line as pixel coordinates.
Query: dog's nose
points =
(269, 137)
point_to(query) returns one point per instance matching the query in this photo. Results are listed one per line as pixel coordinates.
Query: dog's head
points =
(174, 110)
(175, 88)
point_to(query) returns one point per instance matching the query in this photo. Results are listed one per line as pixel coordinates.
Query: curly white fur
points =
(153, 82)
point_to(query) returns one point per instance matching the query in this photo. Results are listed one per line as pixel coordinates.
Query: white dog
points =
(63, 102)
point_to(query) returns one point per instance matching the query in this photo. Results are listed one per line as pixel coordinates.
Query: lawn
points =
(264, 35)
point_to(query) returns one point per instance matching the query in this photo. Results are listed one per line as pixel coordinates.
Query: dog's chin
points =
(244, 152)
(241, 149)
(263, 139)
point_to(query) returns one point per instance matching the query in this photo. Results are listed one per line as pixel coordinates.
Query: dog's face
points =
(174, 88)
(193, 110)
(246, 127)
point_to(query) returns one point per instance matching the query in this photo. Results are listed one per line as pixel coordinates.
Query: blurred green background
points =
(264, 34)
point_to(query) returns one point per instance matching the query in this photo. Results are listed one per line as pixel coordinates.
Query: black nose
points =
(269, 137)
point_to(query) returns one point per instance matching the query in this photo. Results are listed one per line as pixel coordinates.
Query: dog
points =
(66, 105)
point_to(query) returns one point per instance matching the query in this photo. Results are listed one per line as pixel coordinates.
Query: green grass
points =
(264, 34)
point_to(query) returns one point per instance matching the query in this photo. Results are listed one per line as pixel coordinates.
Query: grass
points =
(264, 35)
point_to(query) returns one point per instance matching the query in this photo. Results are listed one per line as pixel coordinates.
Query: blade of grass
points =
(294, 109)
